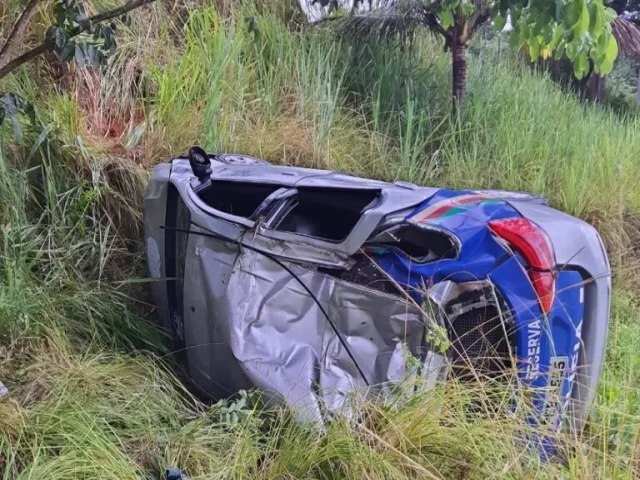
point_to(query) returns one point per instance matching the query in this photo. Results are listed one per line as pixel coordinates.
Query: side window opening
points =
(324, 213)
(235, 198)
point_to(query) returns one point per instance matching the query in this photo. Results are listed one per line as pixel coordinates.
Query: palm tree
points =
(627, 34)
(388, 17)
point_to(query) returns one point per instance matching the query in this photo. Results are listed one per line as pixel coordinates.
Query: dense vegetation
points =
(92, 391)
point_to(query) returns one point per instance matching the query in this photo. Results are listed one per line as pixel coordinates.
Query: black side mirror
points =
(200, 163)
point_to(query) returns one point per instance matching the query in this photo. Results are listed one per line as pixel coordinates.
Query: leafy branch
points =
(74, 35)
(18, 28)
(71, 21)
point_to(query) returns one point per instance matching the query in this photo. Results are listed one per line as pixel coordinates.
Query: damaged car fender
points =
(311, 285)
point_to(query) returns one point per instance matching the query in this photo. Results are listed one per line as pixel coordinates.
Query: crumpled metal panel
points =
(258, 326)
(244, 321)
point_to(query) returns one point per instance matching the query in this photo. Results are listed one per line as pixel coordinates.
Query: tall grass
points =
(91, 395)
(383, 110)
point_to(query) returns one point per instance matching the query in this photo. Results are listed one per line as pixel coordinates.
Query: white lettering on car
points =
(533, 349)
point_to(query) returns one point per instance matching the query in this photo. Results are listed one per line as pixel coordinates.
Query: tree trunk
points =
(595, 88)
(638, 86)
(458, 68)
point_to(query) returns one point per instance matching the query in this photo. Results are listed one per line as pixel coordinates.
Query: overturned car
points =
(311, 284)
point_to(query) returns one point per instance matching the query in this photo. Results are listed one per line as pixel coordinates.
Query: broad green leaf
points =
(571, 49)
(583, 19)
(499, 22)
(467, 8)
(580, 66)
(547, 34)
(94, 55)
(606, 65)
(559, 51)
(68, 51)
(80, 14)
(534, 48)
(59, 11)
(515, 39)
(80, 54)
(446, 18)
(609, 14)
(516, 15)
(612, 49)
(61, 38)
(571, 15)
(601, 46)
(557, 37)
(596, 13)
(10, 106)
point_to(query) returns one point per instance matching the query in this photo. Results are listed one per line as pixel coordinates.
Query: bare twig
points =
(47, 46)
(17, 32)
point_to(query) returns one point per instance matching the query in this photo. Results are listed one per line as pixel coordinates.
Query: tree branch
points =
(116, 12)
(45, 46)
(24, 58)
(18, 28)
(478, 21)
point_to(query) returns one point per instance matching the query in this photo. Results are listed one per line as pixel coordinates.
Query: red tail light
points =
(533, 244)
